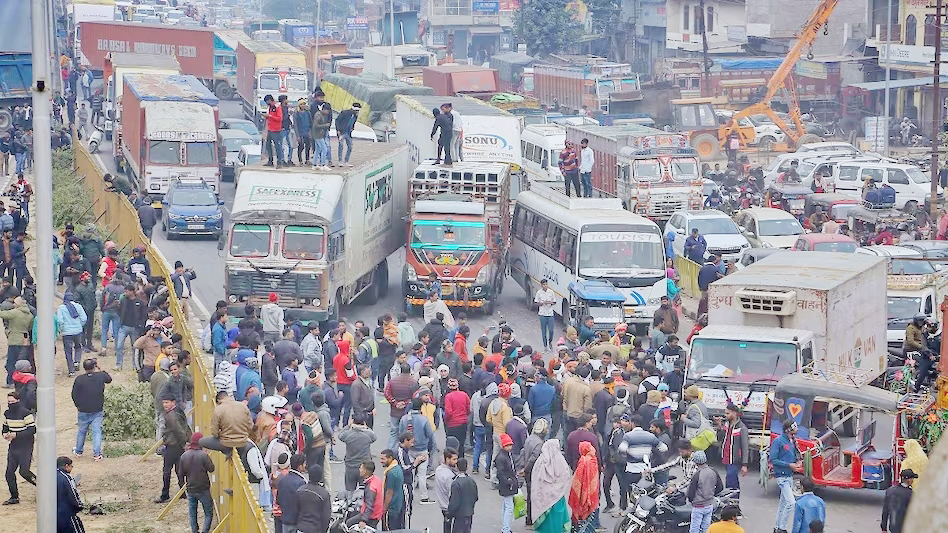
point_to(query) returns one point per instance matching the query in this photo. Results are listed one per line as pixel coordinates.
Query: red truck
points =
(586, 87)
(194, 48)
(450, 80)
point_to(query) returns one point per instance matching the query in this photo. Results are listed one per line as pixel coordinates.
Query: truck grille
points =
(289, 287)
(666, 207)
(725, 251)
(767, 302)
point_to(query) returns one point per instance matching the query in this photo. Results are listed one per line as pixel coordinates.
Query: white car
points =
(719, 231)
(766, 133)
(766, 227)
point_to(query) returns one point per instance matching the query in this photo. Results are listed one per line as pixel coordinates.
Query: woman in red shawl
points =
(584, 494)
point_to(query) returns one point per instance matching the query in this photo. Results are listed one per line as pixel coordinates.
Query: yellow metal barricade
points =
(237, 508)
(688, 270)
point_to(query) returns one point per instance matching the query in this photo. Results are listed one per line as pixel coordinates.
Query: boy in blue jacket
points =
(785, 457)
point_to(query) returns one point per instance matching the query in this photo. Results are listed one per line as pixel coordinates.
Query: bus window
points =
(545, 163)
(569, 245)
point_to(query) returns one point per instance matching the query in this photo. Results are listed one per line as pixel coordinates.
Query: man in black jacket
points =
(288, 495)
(132, 312)
(445, 122)
(507, 484)
(19, 428)
(88, 395)
(462, 500)
(176, 434)
(896, 503)
(345, 123)
(315, 504)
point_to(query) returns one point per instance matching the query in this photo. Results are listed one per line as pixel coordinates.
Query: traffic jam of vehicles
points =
(810, 260)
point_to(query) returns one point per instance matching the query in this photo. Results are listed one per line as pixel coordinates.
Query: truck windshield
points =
(445, 235)
(296, 83)
(741, 361)
(164, 152)
(684, 168)
(303, 242)
(201, 153)
(647, 170)
(912, 268)
(619, 250)
(902, 307)
(269, 82)
(250, 240)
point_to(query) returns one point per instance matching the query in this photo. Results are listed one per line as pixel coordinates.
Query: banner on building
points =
(737, 34)
(486, 7)
(509, 5)
(811, 69)
(357, 23)
(876, 132)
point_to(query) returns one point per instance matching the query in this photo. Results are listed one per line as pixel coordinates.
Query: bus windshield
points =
(619, 250)
(448, 235)
(250, 240)
(303, 242)
(741, 361)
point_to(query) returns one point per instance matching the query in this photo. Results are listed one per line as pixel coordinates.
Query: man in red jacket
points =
(456, 407)
(274, 120)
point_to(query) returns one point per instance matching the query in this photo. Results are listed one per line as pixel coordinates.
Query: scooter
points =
(95, 139)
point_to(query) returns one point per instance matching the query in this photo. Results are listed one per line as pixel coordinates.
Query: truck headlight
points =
(316, 302)
(483, 276)
(410, 274)
(232, 298)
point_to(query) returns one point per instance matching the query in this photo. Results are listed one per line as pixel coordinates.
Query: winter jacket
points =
(84, 295)
(456, 408)
(398, 392)
(463, 497)
(274, 118)
(287, 497)
(182, 279)
(231, 423)
(19, 324)
(808, 508)
(358, 441)
(734, 449)
(540, 399)
(420, 428)
(704, 485)
(498, 415)
(132, 312)
(70, 325)
(19, 420)
(345, 121)
(176, 433)
(88, 391)
(219, 338)
(272, 317)
(783, 453)
(507, 484)
(577, 397)
(312, 350)
(362, 397)
(24, 384)
(302, 122)
(895, 507)
(321, 124)
(315, 503)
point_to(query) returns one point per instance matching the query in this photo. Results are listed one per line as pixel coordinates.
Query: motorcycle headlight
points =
(483, 275)
(410, 274)
(641, 513)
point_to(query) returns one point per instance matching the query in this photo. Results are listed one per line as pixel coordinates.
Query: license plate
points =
(447, 288)
(195, 226)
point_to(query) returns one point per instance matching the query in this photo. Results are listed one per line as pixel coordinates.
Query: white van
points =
(912, 186)
(540, 145)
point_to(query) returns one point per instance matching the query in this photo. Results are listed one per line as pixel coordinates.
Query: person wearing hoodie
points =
(24, 384)
(247, 375)
(84, 294)
(271, 314)
(19, 324)
(358, 438)
(704, 485)
(72, 318)
(498, 416)
(19, 429)
(517, 400)
(406, 332)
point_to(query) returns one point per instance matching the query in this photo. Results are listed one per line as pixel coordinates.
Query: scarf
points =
(550, 479)
(584, 494)
(71, 307)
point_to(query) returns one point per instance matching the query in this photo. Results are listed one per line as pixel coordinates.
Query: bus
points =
(563, 239)
(540, 146)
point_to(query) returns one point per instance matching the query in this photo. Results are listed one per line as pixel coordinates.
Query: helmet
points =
(919, 317)
(271, 403)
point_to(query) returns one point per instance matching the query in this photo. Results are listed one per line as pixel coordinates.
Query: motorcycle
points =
(653, 510)
(345, 506)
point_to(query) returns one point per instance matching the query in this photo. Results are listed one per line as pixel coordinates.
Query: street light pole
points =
(391, 14)
(937, 105)
(318, 80)
(45, 359)
(888, 61)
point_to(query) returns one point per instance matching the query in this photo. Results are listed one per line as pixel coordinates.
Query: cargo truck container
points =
(84, 11)
(410, 60)
(585, 88)
(451, 80)
(199, 51)
(269, 67)
(489, 134)
(169, 130)
(459, 230)
(780, 314)
(653, 172)
(296, 32)
(332, 233)
(16, 60)
(117, 65)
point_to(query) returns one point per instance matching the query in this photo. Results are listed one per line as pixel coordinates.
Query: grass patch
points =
(123, 448)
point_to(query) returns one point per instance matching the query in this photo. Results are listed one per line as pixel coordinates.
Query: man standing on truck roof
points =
(457, 127)
(586, 160)
(319, 102)
(303, 122)
(443, 121)
(274, 123)
(286, 125)
(569, 168)
(345, 123)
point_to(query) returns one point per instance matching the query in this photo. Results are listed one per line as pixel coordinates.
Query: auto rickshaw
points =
(790, 198)
(598, 299)
(836, 426)
(864, 222)
(836, 206)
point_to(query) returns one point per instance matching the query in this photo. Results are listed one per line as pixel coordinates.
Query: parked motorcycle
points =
(345, 506)
(652, 509)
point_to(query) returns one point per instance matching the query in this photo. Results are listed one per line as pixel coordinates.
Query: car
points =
(931, 249)
(719, 231)
(230, 142)
(767, 227)
(240, 124)
(829, 146)
(825, 242)
(249, 154)
(896, 264)
(749, 256)
(190, 207)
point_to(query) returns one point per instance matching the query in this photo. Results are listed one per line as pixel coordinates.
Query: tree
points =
(545, 26)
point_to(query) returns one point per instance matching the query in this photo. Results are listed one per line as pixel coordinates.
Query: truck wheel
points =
(382, 278)
(707, 146)
(336, 305)
(223, 90)
(6, 120)
(527, 295)
(564, 313)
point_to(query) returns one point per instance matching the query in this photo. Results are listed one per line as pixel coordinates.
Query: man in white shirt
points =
(456, 129)
(586, 160)
(545, 298)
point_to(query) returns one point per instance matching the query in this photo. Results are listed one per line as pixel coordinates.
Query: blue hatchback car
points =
(190, 207)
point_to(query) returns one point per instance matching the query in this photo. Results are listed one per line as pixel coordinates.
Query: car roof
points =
(889, 250)
(826, 237)
(230, 133)
(252, 149)
(827, 145)
(190, 183)
(702, 213)
(763, 252)
(926, 245)
(767, 213)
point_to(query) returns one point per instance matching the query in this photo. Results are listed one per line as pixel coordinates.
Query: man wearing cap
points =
(896, 503)
(303, 124)
(176, 434)
(345, 123)
(704, 485)
(271, 314)
(195, 465)
(181, 279)
(785, 458)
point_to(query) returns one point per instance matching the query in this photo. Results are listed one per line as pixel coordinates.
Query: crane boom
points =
(815, 22)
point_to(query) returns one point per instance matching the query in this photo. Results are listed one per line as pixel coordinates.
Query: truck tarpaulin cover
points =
(762, 63)
(375, 90)
(510, 65)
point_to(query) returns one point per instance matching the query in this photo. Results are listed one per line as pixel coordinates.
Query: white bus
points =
(564, 239)
(540, 146)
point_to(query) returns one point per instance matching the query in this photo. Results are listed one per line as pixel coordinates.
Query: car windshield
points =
(620, 250)
(201, 153)
(250, 240)
(741, 361)
(303, 242)
(842, 247)
(164, 152)
(713, 226)
(269, 82)
(445, 235)
(192, 197)
(918, 176)
(902, 307)
(912, 268)
(296, 83)
(245, 126)
(779, 228)
(233, 144)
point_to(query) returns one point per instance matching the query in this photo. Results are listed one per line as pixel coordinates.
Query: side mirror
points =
(742, 228)
(220, 202)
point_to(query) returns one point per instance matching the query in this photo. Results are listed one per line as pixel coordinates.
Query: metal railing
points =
(688, 272)
(236, 507)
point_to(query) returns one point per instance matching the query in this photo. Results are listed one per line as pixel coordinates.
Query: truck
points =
(409, 59)
(269, 67)
(84, 11)
(333, 233)
(296, 32)
(908, 295)
(197, 50)
(458, 230)
(16, 61)
(490, 135)
(577, 89)
(653, 172)
(451, 80)
(169, 131)
(377, 95)
(781, 314)
(117, 65)
(516, 72)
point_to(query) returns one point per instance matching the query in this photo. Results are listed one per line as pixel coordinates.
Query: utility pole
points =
(888, 61)
(318, 80)
(45, 358)
(706, 85)
(937, 106)
(391, 20)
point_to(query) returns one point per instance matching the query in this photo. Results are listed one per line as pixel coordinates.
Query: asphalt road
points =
(847, 510)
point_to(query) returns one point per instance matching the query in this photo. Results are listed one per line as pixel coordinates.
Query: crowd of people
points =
(307, 128)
